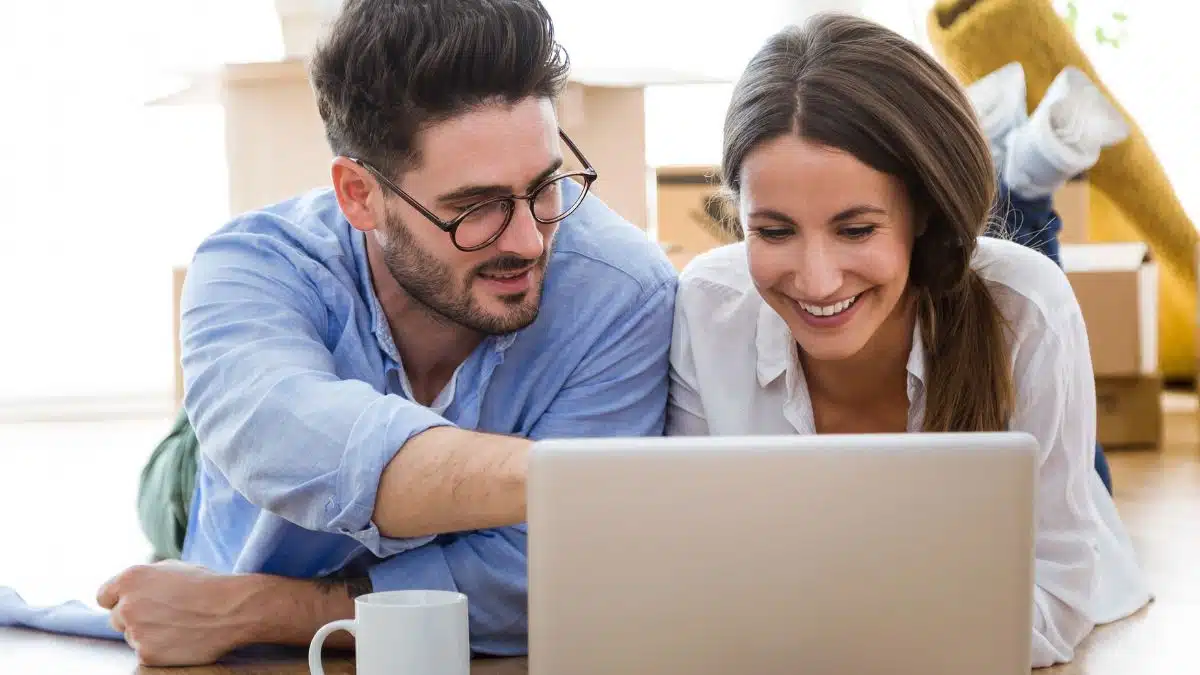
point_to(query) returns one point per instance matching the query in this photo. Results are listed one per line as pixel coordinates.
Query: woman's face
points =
(829, 241)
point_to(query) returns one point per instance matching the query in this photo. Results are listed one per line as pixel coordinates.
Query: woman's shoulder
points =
(1028, 286)
(716, 282)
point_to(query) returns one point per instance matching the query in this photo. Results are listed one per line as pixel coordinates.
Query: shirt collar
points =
(776, 350)
(774, 344)
(379, 324)
(916, 355)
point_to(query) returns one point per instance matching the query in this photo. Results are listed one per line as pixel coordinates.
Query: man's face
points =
(494, 151)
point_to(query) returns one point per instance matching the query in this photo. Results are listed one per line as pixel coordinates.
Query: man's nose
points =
(523, 236)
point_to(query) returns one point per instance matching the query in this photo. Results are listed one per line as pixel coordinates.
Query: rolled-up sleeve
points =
(272, 415)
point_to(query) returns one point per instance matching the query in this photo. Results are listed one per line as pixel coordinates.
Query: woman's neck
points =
(875, 373)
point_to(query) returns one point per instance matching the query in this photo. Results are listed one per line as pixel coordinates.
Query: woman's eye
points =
(858, 231)
(773, 233)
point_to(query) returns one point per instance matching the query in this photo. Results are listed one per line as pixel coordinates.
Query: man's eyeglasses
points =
(481, 224)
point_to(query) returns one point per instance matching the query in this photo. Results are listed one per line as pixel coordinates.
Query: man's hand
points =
(175, 614)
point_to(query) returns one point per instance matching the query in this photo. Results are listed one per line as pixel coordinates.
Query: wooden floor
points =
(1157, 492)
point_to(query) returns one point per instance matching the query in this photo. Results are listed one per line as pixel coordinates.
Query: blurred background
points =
(130, 129)
(103, 194)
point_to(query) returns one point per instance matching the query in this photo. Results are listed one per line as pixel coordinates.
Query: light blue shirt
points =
(294, 387)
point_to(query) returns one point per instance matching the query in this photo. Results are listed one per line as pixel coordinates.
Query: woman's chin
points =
(827, 350)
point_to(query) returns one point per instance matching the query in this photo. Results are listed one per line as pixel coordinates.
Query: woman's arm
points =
(685, 411)
(1056, 402)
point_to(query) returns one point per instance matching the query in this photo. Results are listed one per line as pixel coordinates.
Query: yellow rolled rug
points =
(1131, 197)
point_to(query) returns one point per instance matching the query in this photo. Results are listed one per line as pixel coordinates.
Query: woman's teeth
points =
(829, 310)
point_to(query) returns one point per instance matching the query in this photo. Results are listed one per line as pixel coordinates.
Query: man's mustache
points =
(507, 264)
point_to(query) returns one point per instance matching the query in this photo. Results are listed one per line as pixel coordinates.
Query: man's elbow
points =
(395, 509)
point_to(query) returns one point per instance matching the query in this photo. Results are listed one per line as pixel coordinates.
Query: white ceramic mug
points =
(403, 633)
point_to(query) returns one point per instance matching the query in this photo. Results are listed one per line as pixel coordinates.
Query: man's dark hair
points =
(389, 68)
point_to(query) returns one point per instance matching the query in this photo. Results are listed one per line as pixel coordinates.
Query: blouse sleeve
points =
(1056, 403)
(685, 411)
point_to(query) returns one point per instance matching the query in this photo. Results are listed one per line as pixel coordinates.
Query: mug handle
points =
(318, 642)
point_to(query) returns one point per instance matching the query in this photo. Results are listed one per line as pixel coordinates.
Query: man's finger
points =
(116, 619)
(108, 594)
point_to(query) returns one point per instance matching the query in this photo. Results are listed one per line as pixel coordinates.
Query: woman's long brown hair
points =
(852, 84)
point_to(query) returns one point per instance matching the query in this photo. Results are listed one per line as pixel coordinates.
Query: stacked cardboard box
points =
(1071, 204)
(1117, 288)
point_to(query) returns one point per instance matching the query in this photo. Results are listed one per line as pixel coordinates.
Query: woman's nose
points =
(820, 275)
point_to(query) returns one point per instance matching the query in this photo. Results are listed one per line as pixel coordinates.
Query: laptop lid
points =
(898, 554)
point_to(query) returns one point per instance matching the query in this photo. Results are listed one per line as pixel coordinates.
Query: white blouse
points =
(734, 371)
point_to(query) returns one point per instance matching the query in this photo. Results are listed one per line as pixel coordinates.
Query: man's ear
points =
(356, 189)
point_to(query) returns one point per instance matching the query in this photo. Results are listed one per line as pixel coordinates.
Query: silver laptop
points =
(904, 554)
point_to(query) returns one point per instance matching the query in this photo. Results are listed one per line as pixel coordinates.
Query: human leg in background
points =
(999, 101)
(1035, 155)
(1062, 138)
(1029, 221)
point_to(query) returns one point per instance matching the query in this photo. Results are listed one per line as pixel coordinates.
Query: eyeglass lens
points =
(485, 220)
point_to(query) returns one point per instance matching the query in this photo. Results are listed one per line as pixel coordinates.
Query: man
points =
(365, 365)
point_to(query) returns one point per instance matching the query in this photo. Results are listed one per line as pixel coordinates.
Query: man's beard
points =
(432, 283)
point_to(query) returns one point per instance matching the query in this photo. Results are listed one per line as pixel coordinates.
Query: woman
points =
(864, 299)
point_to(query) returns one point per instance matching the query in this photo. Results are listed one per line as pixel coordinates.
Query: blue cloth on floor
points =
(70, 618)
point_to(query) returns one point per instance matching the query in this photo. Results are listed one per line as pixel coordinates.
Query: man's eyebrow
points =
(479, 192)
(555, 165)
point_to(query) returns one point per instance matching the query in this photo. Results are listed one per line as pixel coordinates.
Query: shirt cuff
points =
(421, 568)
(385, 426)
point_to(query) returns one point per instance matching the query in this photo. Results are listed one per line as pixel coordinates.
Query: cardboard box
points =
(1071, 204)
(679, 257)
(275, 145)
(1129, 412)
(1117, 288)
(689, 210)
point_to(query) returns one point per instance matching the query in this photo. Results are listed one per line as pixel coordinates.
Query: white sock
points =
(1063, 137)
(999, 101)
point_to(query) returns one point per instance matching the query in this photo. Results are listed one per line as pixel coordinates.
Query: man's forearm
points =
(450, 480)
(290, 611)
